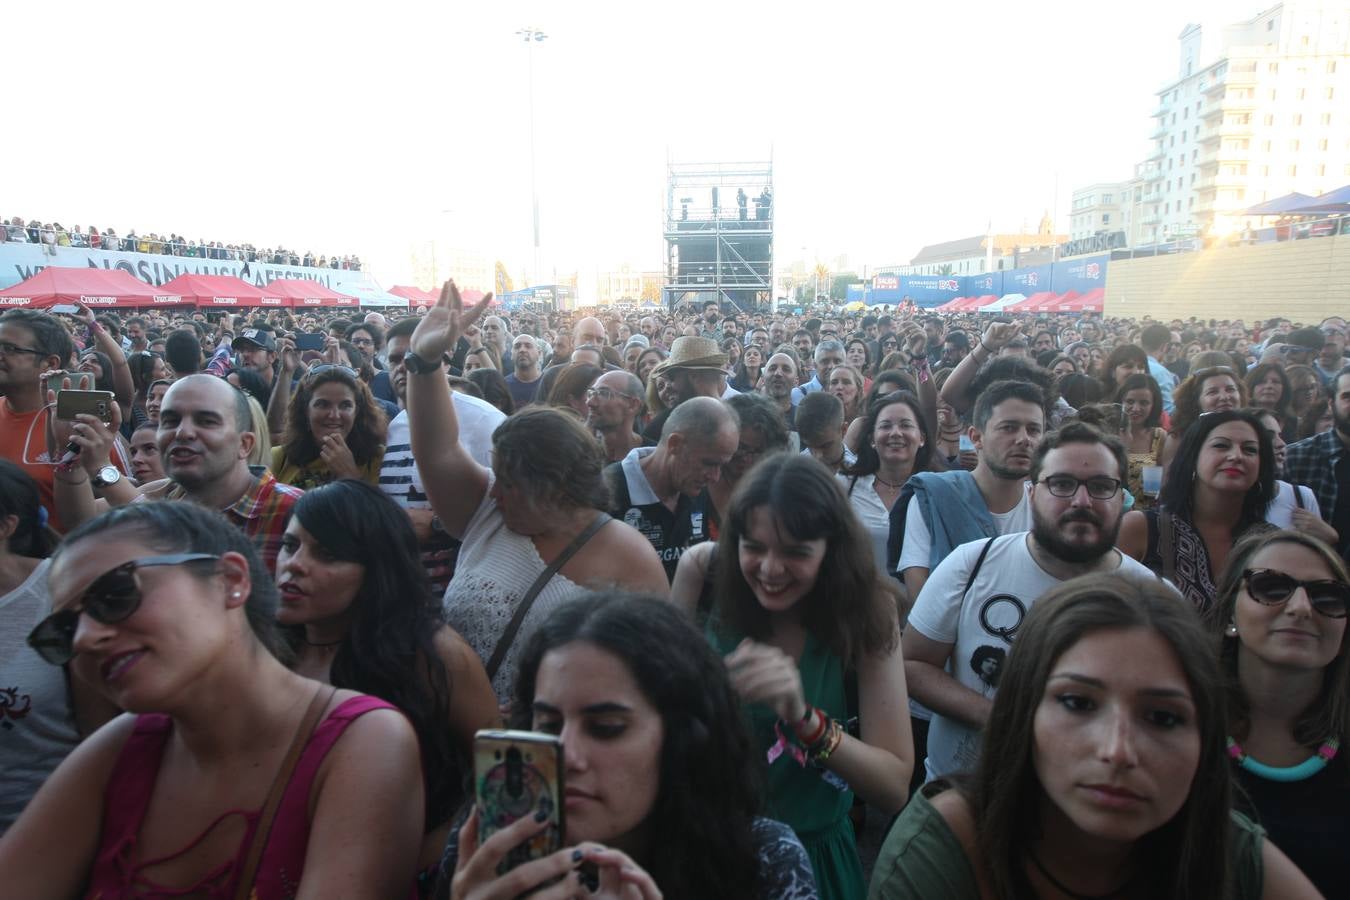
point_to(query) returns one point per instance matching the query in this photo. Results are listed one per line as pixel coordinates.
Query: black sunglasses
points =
(1270, 588)
(111, 598)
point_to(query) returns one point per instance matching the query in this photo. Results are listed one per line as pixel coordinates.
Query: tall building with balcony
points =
(1259, 108)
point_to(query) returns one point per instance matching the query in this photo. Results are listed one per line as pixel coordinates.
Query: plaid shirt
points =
(262, 513)
(1312, 462)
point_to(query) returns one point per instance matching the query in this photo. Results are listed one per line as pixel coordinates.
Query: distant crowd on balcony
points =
(53, 235)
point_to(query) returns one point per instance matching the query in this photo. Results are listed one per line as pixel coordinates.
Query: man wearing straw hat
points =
(696, 367)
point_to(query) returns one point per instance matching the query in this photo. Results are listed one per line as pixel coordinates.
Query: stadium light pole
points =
(532, 36)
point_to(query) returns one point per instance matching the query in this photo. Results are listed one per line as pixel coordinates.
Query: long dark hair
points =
(368, 426)
(1121, 354)
(19, 498)
(869, 463)
(495, 389)
(845, 608)
(390, 650)
(1257, 374)
(1329, 714)
(1188, 857)
(1186, 396)
(700, 824)
(1178, 491)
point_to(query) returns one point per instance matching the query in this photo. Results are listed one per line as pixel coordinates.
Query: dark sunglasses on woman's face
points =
(1270, 588)
(110, 599)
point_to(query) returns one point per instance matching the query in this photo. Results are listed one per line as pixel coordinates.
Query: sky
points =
(366, 127)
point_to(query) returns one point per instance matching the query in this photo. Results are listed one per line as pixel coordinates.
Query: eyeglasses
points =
(361, 342)
(8, 349)
(1098, 487)
(1271, 588)
(112, 597)
(604, 393)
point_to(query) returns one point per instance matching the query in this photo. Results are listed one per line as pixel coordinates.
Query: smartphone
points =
(63, 309)
(70, 403)
(965, 444)
(519, 774)
(310, 341)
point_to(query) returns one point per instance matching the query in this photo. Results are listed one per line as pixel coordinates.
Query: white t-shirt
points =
(399, 477)
(919, 540)
(871, 511)
(980, 626)
(1281, 511)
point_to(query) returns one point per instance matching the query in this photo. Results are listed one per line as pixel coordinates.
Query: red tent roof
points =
(1089, 302)
(96, 288)
(302, 292)
(221, 290)
(415, 295)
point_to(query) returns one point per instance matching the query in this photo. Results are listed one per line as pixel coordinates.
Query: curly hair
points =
(368, 427)
(708, 793)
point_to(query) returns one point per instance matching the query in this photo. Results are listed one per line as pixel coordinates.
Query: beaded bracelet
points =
(821, 751)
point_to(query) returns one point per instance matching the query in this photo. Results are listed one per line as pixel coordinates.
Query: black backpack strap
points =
(979, 562)
(1298, 496)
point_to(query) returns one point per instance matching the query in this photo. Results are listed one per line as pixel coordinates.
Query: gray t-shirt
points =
(37, 724)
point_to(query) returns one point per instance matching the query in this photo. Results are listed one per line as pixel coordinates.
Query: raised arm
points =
(454, 482)
(956, 390)
(123, 387)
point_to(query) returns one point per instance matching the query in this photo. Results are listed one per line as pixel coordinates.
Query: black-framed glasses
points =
(1270, 588)
(1099, 487)
(8, 349)
(111, 598)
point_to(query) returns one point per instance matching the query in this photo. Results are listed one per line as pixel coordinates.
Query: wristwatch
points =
(106, 476)
(419, 366)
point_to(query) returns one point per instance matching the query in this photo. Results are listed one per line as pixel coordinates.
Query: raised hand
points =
(998, 334)
(440, 328)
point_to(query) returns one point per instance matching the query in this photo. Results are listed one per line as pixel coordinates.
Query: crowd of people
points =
(1060, 602)
(51, 235)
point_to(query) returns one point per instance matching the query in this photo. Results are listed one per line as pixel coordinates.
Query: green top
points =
(799, 796)
(922, 858)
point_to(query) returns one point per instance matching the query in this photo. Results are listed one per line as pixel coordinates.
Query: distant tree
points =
(945, 269)
(839, 285)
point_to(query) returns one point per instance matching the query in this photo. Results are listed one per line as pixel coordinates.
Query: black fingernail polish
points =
(541, 816)
(577, 855)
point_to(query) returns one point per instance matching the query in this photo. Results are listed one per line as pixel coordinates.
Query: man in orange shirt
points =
(32, 343)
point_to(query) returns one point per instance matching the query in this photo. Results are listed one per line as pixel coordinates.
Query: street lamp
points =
(532, 36)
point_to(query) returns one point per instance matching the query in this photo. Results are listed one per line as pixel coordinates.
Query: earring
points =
(1231, 630)
(236, 595)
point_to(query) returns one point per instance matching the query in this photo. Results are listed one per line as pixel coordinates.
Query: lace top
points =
(496, 567)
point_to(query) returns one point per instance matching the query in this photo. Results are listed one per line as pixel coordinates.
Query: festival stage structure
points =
(719, 233)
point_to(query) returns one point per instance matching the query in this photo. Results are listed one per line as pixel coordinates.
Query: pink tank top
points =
(117, 875)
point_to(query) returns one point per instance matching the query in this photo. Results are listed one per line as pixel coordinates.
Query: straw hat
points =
(695, 354)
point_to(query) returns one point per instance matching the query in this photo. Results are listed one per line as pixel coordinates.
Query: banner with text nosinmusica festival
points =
(21, 261)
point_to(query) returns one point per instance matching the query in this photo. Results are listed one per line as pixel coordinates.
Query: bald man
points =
(662, 491)
(205, 436)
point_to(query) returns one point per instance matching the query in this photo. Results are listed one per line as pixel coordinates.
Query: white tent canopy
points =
(1003, 302)
(368, 293)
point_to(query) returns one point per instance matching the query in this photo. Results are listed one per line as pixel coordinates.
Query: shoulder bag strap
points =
(279, 784)
(504, 642)
(979, 562)
(1167, 531)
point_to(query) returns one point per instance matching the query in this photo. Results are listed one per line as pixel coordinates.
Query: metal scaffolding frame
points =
(719, 233)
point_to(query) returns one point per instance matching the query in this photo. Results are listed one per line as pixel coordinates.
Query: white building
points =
(435, 261)
(1098, 208)
(1258, 109)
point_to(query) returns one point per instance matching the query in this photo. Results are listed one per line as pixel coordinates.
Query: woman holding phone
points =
(658, 776)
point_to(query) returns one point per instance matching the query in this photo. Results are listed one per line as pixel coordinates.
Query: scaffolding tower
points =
(719, 233)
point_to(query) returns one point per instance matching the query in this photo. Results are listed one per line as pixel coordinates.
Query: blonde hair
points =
(261, 454)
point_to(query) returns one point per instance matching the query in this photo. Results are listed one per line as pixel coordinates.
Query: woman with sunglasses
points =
(232, 775)
(1207, 390)
(359, 613)
(1101, 774)
(334, 430)
(1281, 620)
(1217, 489)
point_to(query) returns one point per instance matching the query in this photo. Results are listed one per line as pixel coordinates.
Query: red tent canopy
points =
(1089, 302)
(96, 288)
(952, 305)
(301, 292)
(415, 295)
(221, 290)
